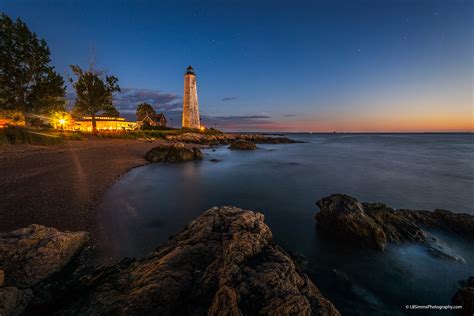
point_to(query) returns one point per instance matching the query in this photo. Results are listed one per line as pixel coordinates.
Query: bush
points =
(19, 135)
(69, 135)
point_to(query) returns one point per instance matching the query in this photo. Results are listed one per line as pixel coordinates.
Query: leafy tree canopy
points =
(94, 91)
(144, 108)
(28, 83)
(111, 111)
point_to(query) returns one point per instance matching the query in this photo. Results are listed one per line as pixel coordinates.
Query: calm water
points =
(284, 181)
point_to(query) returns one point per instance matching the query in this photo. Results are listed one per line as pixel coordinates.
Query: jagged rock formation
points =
(242, 145)
(224, 263)
(465, 297)
(175, 152)
(32, 255)
(221, 138)
(375, 224)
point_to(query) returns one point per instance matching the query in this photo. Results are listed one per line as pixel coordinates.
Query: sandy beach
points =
(59, 186)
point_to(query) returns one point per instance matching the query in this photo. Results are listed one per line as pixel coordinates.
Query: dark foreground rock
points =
(224, 263)
(174, 152)
(32, 254)
(222, 139)
(375, 224)
(465, 297)
(242, 145)
(29, 256)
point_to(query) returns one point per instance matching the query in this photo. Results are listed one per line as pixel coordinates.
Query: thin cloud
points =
(238, 122)
(127, 100)
(289, 115)
(229, 98)
(239, 117)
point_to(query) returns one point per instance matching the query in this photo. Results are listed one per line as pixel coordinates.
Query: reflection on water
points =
(284, 181)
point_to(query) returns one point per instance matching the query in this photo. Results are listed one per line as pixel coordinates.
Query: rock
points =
(465, 297)
(14, 301)
(242, 145)
(375, 224)
(343, 217)
(457, 223)
(214, 160)
(221, 138)
(32, 254)
(175, 152)
(440, 250)
(224, 263)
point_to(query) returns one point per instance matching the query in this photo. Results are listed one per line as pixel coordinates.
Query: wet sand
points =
(59, 186)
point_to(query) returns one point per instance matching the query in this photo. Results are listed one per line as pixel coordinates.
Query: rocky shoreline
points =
(374, 225)
(227, 138)
(73, 176)
(223, 263)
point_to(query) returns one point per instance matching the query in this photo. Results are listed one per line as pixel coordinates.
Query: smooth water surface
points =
(416, 171)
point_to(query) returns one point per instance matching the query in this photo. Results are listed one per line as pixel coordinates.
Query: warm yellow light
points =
(202, 128)
(62, 121)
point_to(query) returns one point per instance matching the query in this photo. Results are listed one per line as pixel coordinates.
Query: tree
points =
(144, 108)
(111, 111)
(94, 91)
(28, 83)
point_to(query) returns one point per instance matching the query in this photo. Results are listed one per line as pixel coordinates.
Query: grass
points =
(46, 137)
(21, 135)
(154, 133)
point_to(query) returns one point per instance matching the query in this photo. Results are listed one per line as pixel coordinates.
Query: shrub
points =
(19, 135)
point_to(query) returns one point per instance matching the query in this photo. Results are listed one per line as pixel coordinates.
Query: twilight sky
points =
(276, 65)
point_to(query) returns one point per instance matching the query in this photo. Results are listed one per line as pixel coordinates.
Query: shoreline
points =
(61, 186)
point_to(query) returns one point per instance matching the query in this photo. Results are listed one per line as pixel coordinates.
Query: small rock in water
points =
(215, 160)
(174, 152)
(242, 145)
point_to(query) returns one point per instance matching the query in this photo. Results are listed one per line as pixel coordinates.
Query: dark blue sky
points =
(273, 65)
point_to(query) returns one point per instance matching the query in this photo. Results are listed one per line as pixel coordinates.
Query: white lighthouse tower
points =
(190, 101)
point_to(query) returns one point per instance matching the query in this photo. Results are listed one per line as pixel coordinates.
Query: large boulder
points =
(32, 254)
(174, 152)
(224, 263)
(242, 145)
(375, 224)
(465, 298)
(344, 217)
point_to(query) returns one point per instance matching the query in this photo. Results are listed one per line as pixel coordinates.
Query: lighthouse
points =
(190, 100)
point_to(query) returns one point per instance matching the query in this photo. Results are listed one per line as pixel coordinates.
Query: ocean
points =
(284, 181)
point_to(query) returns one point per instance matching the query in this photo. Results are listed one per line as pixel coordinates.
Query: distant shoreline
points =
(357, 133)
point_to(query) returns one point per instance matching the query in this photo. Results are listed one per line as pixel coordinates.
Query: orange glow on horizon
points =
(434, 123)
